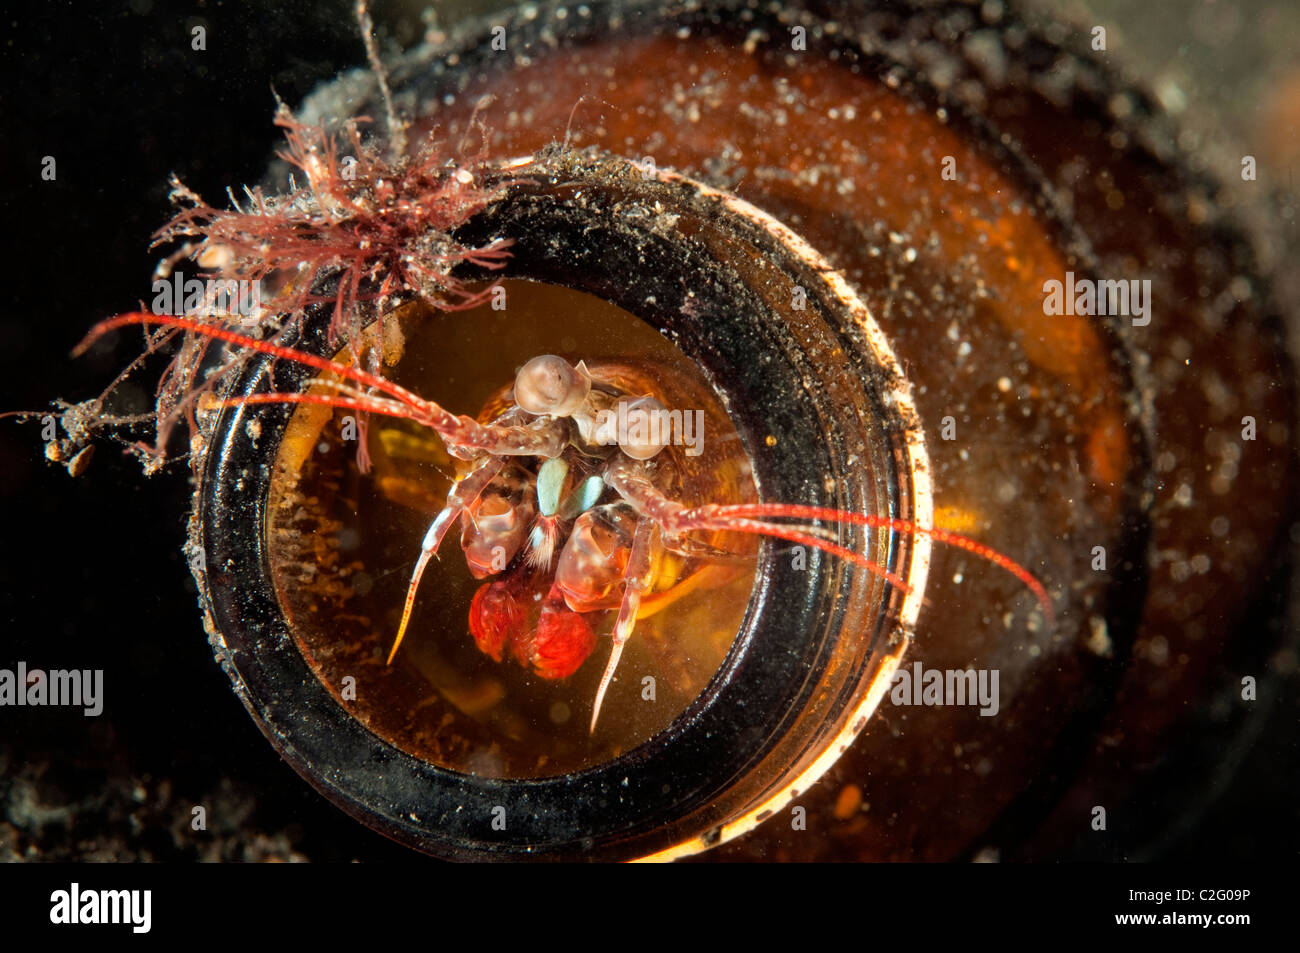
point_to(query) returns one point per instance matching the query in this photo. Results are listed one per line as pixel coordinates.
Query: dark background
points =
(91, 574)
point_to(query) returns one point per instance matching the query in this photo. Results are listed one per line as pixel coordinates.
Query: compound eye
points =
(649, 429)
(551, 385)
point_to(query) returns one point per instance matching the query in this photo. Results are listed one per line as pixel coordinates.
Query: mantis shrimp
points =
(566, 512)
(569, 513)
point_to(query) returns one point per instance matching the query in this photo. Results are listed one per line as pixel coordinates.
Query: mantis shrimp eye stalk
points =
(550, 385)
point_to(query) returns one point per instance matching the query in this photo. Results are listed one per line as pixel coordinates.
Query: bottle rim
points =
(817, 649)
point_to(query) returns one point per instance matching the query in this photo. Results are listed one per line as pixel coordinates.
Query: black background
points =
(91, 573)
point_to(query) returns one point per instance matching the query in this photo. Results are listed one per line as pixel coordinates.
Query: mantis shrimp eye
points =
(647, 430)
(551, 385)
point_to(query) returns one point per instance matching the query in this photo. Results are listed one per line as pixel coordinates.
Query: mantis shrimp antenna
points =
(751, 518)
(460, 432)
(416, 406)
(755, 518)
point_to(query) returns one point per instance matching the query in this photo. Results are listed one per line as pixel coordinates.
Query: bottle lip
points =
(810, 392)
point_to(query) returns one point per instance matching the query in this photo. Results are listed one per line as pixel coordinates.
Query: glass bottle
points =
(849, 222)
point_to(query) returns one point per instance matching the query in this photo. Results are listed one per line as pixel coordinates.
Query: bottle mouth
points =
(824, 413)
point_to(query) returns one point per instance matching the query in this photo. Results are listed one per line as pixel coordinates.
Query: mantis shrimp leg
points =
(636, 579)
(461, 501)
